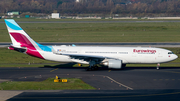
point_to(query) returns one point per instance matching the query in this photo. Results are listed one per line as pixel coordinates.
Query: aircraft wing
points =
(86, 58)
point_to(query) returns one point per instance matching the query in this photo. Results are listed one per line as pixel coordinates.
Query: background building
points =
(13, 13)
(81, 1)
(55, 15)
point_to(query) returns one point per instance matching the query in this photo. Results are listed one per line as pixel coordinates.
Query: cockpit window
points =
(170, 53)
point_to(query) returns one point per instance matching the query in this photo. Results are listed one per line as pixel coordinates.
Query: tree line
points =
(171, 7)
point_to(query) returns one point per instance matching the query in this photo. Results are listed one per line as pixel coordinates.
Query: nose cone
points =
(175, 56)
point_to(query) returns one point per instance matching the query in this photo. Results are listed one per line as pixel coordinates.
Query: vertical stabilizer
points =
(21, 40)
(18, 36)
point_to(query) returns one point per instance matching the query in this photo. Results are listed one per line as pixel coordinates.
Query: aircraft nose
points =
(176, 56)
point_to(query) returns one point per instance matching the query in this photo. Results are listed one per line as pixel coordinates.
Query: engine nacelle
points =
(115, 64)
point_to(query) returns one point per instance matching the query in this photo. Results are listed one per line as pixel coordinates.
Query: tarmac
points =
(131, 83)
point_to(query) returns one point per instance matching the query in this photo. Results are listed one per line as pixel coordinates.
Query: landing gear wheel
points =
(96, 68)
(88, 69)
(92, 68)
(123, 65)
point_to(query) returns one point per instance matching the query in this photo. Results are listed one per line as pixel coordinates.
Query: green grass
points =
(99, 32)
(48, 84)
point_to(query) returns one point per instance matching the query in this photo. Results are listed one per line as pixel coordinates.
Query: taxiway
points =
(132, 83)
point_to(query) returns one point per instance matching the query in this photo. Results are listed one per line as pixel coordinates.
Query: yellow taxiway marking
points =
(54, 70)
(109, 70)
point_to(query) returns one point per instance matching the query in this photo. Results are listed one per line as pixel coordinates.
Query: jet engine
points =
(115, 64)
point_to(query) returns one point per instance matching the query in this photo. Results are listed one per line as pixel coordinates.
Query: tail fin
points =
(21, 40)
(18, 36)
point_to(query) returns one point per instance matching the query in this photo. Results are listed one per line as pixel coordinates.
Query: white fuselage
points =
(126, 54)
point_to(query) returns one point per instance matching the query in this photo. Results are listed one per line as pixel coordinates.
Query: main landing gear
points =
(92, 66)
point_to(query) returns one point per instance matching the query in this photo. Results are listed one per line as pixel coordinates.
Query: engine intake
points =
(115, 64)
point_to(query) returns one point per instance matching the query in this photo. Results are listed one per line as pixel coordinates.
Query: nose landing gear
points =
(158, 66)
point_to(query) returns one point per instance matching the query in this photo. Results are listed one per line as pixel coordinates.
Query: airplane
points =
(112, 57)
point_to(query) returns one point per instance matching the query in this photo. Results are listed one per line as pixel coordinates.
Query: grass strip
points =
(99, 32)
(48, 84)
